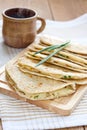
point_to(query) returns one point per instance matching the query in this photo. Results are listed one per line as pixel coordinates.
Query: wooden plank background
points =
(60, 10)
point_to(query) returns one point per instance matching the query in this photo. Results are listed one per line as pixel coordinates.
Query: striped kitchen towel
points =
(19, 115)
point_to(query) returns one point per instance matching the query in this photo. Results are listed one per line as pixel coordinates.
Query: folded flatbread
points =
(36, 87)
(75, 47)
(78, 59)
(59, 62)
(75, 81)
(48, 70)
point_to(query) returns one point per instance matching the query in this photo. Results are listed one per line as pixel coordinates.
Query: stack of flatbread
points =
(59, 76)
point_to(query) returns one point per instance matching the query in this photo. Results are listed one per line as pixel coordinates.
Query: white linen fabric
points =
(19, 115)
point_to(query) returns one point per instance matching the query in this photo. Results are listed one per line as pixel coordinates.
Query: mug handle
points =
(43, 24)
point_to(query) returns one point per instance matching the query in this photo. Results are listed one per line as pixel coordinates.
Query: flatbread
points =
(35, 87)
(58, 61)
(73, 47)
(75, 81)
(79, 55)
(79, 59)
(54, 72)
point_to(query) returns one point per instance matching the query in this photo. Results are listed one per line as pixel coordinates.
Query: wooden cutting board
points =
(62, 106)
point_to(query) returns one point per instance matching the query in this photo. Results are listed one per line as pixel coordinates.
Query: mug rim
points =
(19, 19)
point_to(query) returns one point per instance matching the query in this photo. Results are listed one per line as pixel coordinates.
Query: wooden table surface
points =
(61, 10)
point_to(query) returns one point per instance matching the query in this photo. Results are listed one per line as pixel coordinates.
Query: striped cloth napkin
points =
(19, 115)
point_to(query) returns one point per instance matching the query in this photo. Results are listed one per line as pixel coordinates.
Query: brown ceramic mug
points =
(19, 26)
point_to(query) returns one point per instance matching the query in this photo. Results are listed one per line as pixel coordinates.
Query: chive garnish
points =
(57, 47)
(44, 49)
(65, 56)
(67, 77)
(35, 97)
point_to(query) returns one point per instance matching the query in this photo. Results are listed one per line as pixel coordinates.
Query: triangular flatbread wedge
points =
(73, 47)
(36, 87)
(54, 72)
(58, 62)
